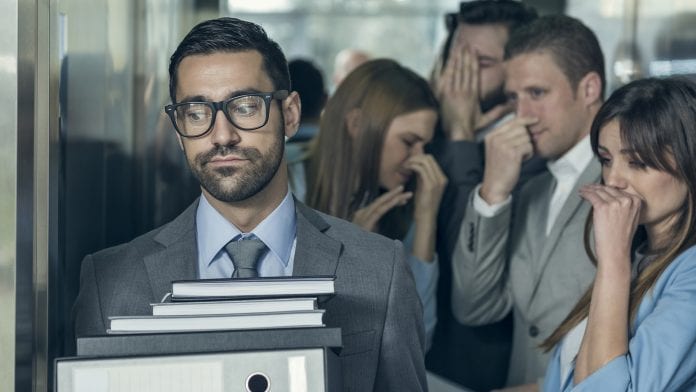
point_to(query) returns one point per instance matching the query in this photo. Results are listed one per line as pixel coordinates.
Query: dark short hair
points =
(231, 35)
(513, 14)
(571, 44)
(307, 80)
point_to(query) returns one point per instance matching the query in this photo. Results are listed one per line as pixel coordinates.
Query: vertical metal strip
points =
(25, 217)
(8, 191)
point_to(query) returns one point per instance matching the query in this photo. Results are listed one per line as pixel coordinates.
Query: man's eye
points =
(536, 92)
(196, 114)
(245, 107)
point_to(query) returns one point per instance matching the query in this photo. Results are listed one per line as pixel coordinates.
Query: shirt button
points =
(533, 331)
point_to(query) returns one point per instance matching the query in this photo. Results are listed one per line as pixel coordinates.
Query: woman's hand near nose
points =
(430, 186)
(615, 216)
(368, 216)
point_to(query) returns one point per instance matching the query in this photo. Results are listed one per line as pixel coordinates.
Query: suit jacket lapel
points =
(315, 253)
(178, 259)
(569, 209)
(539, 204)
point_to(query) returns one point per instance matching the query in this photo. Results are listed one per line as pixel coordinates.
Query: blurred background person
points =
(346, 61)
(307, 80)
(368, 166)
(633, 328)
(468, 79)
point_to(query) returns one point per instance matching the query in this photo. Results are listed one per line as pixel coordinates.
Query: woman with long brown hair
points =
(635, 328)
(368, 164)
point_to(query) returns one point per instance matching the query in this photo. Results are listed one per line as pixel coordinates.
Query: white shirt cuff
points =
(488, 210)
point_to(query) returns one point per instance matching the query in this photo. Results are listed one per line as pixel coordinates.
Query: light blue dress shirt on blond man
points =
(277, 231)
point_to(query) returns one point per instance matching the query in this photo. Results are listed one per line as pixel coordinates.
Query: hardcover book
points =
(151, 324)
(233, 307)
(205, 289)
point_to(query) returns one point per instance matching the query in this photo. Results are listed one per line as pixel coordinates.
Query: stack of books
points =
(233, 304)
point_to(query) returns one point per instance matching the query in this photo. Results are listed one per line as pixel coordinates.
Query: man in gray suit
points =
(232, 109)
(526, 254)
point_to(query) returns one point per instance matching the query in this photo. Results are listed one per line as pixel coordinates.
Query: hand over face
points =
(430, 184)
(368, 216)
(458, 90)
(615, 215)
(507, 147)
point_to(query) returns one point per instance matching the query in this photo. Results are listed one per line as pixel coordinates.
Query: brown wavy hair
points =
(657, 120)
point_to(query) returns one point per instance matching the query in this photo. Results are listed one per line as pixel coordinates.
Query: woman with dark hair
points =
(635, 328)
(367, 165)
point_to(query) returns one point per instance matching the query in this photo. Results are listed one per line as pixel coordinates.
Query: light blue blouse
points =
(662, 343)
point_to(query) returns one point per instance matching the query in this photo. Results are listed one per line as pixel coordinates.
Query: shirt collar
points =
(277, 231)
(573, 162)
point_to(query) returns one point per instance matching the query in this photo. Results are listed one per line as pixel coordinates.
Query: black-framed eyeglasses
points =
(246, 112)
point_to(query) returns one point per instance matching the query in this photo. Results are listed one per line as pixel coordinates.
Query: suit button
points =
(470, 243)
(533, 331)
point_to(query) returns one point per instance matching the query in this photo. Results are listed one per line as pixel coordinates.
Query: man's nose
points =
(224, 132)
(525, 108)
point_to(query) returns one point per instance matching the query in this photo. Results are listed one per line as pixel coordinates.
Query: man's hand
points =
(506, 148)
(368, 216)
(459, 96)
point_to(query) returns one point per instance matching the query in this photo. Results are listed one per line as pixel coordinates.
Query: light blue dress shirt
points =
(425, 275)
(277, 231)
(662, 343)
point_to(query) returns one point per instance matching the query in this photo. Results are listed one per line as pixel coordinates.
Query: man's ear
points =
(353, 119)
(292, 107)
(590, 89)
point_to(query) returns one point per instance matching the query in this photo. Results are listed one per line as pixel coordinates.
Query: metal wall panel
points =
(24, 194)
(121, 167)
(8, 187)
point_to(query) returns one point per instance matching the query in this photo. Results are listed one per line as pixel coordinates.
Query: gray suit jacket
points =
(507, 262)
(375, 305)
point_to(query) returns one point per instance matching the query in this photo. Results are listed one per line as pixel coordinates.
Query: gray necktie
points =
(245, 254)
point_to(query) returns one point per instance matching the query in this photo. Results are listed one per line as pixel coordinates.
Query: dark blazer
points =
(375, 305)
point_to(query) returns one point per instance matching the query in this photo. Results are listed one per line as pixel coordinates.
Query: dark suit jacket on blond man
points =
(508, 262)
(375, 305)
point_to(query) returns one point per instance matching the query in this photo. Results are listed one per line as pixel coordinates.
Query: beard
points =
(235, 184)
